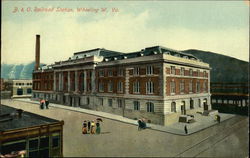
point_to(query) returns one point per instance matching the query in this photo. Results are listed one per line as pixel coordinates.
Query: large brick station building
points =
(156, 83)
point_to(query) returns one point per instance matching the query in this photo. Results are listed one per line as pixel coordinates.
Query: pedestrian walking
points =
(139, 124)
(218, 118)
(92, 127)
(47, 103)
(42, 103)
(215, 118)
(89, 124)
(185, 129)
(84, 127)
(98, 127)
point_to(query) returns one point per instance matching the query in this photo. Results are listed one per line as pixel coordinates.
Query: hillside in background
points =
(20, 71)
(224, 68)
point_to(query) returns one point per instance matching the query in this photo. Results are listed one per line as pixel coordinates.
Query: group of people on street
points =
(91, 127)
(44, 103)
(141, 124)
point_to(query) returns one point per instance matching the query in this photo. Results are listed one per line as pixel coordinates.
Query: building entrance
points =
(183, 108)
(205, 104)
(19, 91)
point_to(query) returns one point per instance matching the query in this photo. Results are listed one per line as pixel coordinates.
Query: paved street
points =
(228, 139)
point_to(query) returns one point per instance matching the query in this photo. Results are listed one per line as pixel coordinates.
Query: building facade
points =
(156, 83)
(19, 88)
(24, 134)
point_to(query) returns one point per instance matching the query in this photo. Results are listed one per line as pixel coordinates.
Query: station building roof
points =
(151, 51)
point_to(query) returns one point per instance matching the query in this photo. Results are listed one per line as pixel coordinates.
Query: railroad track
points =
(211, 140)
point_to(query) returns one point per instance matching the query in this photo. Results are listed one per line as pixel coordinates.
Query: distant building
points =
(19, 88)
(156, 83)
(30, 135)
(2, 87)
(230, 97)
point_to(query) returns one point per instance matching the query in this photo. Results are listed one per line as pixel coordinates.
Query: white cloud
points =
(62, 35)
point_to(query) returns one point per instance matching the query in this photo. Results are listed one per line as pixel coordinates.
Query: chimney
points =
(37, 64)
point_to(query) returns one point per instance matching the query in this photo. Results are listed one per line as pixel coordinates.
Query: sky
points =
(125, 26)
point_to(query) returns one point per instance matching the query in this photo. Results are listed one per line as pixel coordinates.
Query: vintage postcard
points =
(124, 78)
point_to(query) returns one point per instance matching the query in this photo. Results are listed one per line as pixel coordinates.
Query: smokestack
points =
(37, 64)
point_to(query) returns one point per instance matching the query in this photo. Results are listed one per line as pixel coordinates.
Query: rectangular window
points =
(120, 72)
(9, 147)
(136, 87)
(182, 86)
(136, 71)
(110, 102)
(55, 141)
(190, 72)
(204, 74)
(101, 73)
(101, 101)
(149, 70)
(172, 87)
(198, 87)
(150, 87)
(110, 73)
(198, 73)
(172, 70)
(204, 86)
(110, 86)
(120, 86)
(101, 87)
(182, 71)
(191, 86)
(33, 144)
(90, 74)
(150, 107)
(119, 102)
(136, 105)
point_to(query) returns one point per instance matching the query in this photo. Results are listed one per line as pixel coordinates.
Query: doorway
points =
(183, 108)
(205, 104)
(19, 91)
(70, 101)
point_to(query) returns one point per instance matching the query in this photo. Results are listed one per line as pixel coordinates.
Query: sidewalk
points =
(201, 123)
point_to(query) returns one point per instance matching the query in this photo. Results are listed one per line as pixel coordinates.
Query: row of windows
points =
(149, 87)
(136, 71)
(150, 106)
(20, 91)
(182, 86)
(39, 76)
(137, 107)
(182, 71)
(22, 84)
(149, 70)
(120, 72)
(35, 147)
(136, 87)
(173, 104)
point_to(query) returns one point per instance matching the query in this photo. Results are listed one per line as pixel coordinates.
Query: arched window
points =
(150, 107)
(173, 107)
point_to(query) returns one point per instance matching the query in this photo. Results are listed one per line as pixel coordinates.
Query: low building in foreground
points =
(156, 83)
(19, 88)
(26, 134)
